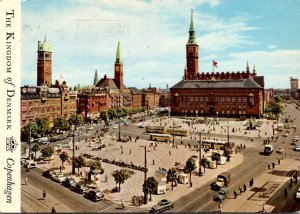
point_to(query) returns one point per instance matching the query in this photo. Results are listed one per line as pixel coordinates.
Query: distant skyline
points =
(153, 34)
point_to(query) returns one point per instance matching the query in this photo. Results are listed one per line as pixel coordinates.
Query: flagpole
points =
(213, 67)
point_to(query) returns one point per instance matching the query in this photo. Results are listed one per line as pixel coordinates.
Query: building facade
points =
(46, 99)
(224, 94)
(294, 88)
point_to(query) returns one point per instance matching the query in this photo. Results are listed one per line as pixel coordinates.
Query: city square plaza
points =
(163, 156)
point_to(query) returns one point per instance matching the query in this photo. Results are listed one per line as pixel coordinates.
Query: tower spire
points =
(247, 67)
(254, 70)
(192, 32)
(118, 54)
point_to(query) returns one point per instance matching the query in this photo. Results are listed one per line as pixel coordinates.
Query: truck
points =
(223, 180)
(268, 149)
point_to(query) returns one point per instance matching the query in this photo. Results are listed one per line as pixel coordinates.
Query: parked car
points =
(48, 173)
(30, 165)
(115, 127)
(280, 150)
(296, 148)
(59, 178)
(295, 139)
(285, 134)
(94, 195)
(79, 188)
(162, 205)
(141, 126)
(221, 195)
(68, 182)
(297, 195)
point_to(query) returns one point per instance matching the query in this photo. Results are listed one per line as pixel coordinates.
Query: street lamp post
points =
(200, 144)
(273, 128)
(29, 153)
(73, 152)
(173, 134)
(145, 179)
(119, 130)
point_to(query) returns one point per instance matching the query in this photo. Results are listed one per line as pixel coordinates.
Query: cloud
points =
(272, 46)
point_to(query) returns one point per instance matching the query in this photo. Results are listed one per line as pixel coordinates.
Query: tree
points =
(79, 162)
(61, 124)
(47, 153)
(190, 166)
(43, 125)
(104, 116)
(275, 108)
(215, 156)
(171, 176)
(151, 186)
(120, 176)
(63, 157)
(96, 165)
(76, 120)
(25, 132)
(35, 149)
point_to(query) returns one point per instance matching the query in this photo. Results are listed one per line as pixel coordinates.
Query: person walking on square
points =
(285, 192)
(26, 181)
(273, 165)
(245, 188)
(269, 166)
(106, 178)
(235, 194)
(278, 161)
(221, 207)
(44, 195)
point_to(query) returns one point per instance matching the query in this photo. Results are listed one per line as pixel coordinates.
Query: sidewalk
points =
(266, 185)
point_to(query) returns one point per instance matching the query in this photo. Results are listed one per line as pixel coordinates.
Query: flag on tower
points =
(215, 63)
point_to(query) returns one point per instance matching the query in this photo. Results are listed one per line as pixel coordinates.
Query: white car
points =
(90, 128)
(115, 127)
(294, 127)
(285, 134)
(296, 148)
(296, 138)
(280, 150)
(297, 196)
(59, 178)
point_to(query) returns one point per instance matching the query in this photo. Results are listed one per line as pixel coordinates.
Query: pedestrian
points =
(153, 162)
(235, 194)
(170, 153)
(278, 161)
(106, 178)
(191, 184)
(53, 210)
(264, 209)
(59, 168)
(44, 195)
(273, 165)
(245, 188)
(221, 207)
(123, 204)
(130, 151)
(285, 192)
(240, 189)
(26, 181)
(269, 166)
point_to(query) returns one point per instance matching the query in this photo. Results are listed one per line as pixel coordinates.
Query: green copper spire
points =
(118, 55)
(192, 32)
(247, 67)
(254, 70)
(96, 79)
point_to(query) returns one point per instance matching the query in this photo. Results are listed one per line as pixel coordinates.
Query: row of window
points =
(218, 99)
(240, 112)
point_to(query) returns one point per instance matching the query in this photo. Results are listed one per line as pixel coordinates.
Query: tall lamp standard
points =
(119, 129)
(173, 134)
(29, 153)
(200, 144)
(73, 152)
(145, 178)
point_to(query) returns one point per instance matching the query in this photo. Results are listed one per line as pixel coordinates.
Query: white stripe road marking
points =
(106, 208)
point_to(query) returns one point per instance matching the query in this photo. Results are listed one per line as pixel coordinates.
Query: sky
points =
(153, 34)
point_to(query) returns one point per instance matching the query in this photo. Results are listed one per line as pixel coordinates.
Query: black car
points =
(48, 173)
(79, 188)
(68, 182)
(94, 195)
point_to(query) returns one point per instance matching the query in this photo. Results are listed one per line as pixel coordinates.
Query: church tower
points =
(192, 50)
(44, 63)
(119, 69)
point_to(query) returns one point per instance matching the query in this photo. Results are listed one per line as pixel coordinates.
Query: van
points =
(268, 149)
(222, 160)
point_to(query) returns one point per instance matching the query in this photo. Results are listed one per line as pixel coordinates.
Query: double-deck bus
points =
(178, 132)
(160, 137)
(155, 129)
